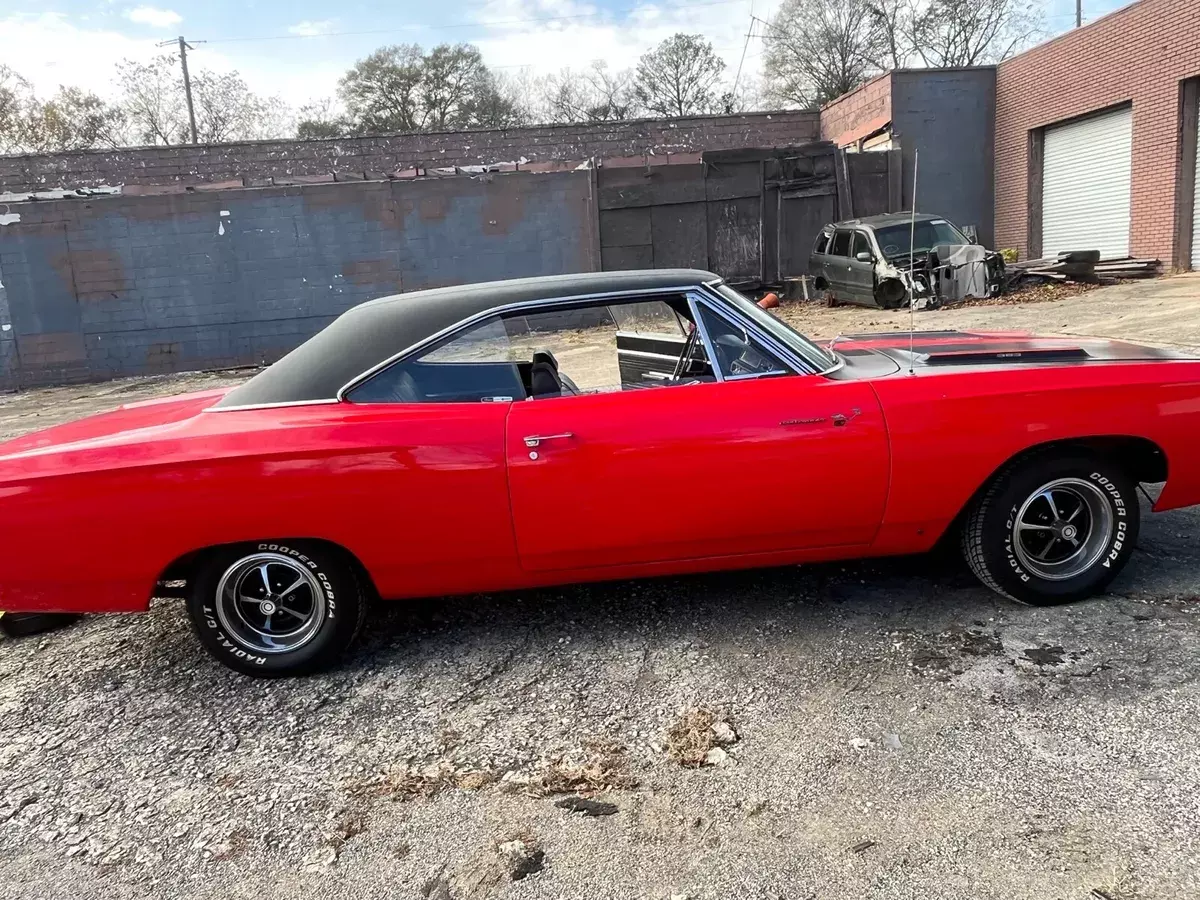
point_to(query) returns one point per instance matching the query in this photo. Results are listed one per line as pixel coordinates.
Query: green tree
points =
(73, 119)
(401, 88)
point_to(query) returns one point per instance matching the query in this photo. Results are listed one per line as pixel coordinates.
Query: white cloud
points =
(50, 50)
(153, 16)
(309, 28)
(574, 34)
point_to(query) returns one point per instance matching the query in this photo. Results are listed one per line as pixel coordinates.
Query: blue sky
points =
(297, 48)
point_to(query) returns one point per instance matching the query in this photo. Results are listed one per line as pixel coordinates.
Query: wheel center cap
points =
(267, 607)
(1069, 532)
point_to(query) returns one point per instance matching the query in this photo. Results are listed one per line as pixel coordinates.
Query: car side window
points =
(555, 352)
(602, 348)
(840, 245)
(476, 364)
(822, 242)
(739, 353)
(860, 244)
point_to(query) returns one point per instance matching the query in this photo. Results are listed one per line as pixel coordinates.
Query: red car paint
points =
(448, 498)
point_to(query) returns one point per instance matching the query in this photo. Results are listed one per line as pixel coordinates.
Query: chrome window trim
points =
(649, 353)
(750, 375)
(462, 325)
(694, 299)
(278, 405)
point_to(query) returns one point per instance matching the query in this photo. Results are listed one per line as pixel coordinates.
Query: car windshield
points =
(778, 329)
(894, 240)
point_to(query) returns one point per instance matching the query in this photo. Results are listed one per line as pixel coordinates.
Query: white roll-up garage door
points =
(1086, 177)
(1196, 209)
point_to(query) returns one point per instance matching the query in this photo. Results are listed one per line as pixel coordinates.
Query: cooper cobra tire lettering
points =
(335, 582)
(989, 535)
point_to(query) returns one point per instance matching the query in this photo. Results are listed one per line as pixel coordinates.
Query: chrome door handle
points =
(534, 440)
(839, 419)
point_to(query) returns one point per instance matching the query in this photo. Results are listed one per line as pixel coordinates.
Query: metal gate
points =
(1086, 181)
(749, 215)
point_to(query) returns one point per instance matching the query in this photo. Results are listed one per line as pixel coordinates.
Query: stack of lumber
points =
(1079, 265)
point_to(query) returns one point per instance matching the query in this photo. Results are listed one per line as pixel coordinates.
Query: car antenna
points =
(912, 284)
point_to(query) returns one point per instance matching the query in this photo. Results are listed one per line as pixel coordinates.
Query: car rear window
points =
(841, 244)
(822, 242)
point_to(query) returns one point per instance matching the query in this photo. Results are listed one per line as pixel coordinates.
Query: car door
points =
(650, 339)
(860, 274)
(837, 264)
(762, 461)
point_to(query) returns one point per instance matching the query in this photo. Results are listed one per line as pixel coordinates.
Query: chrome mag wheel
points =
(270, 603)
(1063, 528)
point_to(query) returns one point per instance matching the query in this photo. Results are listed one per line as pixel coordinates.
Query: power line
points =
(461, 25)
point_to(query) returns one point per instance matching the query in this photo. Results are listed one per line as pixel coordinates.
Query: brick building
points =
(542, 147)
(1086, 141)
(1136, 68)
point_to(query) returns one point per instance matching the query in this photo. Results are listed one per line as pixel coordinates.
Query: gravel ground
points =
(895, 731)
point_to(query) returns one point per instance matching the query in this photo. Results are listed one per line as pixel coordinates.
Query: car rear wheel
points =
(277, 609)
(1053, 528)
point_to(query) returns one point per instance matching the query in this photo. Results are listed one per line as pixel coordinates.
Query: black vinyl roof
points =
(375, 331)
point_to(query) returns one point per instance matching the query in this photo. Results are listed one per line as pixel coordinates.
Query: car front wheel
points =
(1054, 528)
(276, 609)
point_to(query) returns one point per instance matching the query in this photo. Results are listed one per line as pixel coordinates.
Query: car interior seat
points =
(544, 380)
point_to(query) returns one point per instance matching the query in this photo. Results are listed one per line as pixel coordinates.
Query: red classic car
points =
(536, 432)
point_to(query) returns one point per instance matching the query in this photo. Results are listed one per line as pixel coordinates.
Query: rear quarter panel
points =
(419, 494)
(951, 431)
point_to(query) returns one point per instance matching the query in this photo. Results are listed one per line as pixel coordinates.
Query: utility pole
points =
(187, 84)
(1078, 16)
(184, 47)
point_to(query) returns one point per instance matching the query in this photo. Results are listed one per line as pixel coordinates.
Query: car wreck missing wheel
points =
(892, 260)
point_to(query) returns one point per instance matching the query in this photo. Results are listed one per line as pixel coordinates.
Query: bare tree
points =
(819, 49)
(321, 119)
(893, 23)
(227, 110)
(973, 32)
(500, 102)
(679, 77)
(592, 95)
(153, 101)
(155, 107)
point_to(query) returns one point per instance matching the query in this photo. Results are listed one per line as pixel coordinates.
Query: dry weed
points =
(696, 735)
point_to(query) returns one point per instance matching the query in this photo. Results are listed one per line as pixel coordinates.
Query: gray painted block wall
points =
(949, 116)
(135, 285)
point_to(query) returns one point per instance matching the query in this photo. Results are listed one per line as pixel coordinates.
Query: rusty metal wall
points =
(750, 216)
(113, 286)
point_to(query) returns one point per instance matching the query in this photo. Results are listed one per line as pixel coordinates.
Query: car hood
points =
(133, 420)
(957, 349)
